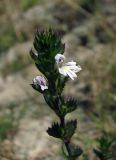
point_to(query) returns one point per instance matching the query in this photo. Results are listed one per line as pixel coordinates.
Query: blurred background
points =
(88, 27)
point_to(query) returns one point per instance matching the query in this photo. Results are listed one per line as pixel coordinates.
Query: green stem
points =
(66, 142)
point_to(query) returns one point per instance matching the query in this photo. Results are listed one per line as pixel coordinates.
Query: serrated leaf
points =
(53, 102)
(56, 131)
(48, 43)
(70, 128)
(70, 105)
(75, 151)
(49, 101)
(107, 147)
(61, 82)
(42, 68)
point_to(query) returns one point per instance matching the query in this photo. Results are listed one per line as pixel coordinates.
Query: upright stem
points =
(66, 142)
(62, 120)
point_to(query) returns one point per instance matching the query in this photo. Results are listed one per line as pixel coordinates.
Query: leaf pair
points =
(107, 147)
(69, 105)
(63, 133)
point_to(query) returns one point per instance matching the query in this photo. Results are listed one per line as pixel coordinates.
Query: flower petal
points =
(62, 71)
(72, 63)
(69, 69)
(71, 74)
(44, 87)
(77, 68)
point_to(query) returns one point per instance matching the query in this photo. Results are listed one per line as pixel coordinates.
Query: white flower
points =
(59, 58)
(40, 81)
(68, 69)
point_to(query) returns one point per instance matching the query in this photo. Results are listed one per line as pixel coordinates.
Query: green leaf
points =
(107, 147)
(56, 131)
(49, 100)
(98, 153)
(70, 128)
(37, 88)
(69, 105)
(61, 82)
(53, 102)
(64, 133)
(75, 151)
(48, 44)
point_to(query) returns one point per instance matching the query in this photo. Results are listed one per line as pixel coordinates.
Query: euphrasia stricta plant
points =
(50, 61)
(106, 147)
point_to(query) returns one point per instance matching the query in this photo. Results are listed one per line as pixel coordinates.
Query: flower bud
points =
(59, 58)
(39, 81)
